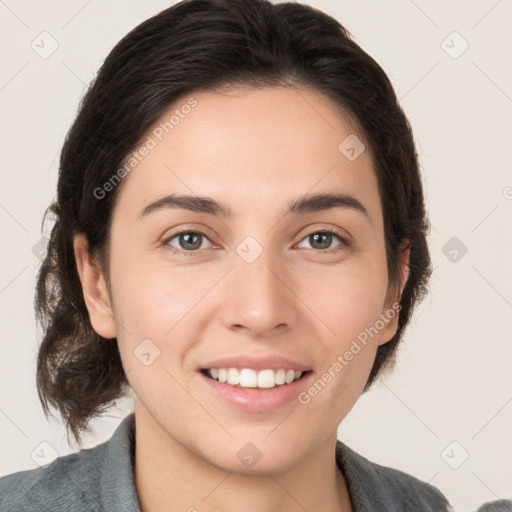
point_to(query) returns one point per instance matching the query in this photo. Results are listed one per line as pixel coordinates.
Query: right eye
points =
(189, 240)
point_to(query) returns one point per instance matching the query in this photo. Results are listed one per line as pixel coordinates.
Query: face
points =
(189, 288)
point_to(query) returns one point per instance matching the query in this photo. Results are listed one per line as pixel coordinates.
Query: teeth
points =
(249, 378)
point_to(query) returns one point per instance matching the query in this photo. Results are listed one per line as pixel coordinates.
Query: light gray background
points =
(453, 378)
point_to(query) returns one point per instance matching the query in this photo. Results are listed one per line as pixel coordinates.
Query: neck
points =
(167, 472)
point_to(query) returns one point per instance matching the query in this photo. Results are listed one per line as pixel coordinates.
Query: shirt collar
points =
(118, 491)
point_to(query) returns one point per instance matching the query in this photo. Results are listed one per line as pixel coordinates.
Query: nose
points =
(258, 296)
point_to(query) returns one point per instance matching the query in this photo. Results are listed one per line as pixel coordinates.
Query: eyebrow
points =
(209, 206)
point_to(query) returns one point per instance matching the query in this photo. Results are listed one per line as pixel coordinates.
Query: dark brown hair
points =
(191, 46)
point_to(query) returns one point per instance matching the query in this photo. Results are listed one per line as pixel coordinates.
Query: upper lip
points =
(256, 363)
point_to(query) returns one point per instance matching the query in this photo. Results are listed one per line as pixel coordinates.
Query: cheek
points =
(347, 348)
(346, 300)
(348, 304)
(161, 304)
(150, 297)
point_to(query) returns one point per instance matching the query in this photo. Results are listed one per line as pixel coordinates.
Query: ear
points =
(391, 310)
(94, 288)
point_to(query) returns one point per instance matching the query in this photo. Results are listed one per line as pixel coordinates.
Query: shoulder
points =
(502, 505)
(376, 487)
(70, 482)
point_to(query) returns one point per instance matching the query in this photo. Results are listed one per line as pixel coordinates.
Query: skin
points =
(254, 150)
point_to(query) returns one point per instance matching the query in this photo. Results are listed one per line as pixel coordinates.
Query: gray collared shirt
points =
(100, 479)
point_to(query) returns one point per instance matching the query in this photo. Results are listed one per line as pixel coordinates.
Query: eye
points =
(189, 242)
(323, 239)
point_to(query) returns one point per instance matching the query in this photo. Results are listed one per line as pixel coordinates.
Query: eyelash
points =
(345, 243)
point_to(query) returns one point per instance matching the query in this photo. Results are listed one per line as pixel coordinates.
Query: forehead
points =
(249, 148)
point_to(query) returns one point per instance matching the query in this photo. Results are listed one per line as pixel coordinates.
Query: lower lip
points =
(255, 399)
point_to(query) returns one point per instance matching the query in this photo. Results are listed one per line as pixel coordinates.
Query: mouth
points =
(252, 391)
(259, 380)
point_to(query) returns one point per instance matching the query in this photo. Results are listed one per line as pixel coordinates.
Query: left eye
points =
(189, 242)
(324, 239)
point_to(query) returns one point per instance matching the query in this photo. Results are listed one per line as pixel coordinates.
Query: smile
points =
(249, 378)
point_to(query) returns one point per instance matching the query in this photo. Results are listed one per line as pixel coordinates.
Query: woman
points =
(240, 239)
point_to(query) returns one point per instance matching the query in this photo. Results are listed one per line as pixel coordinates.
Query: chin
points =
(247, 456)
